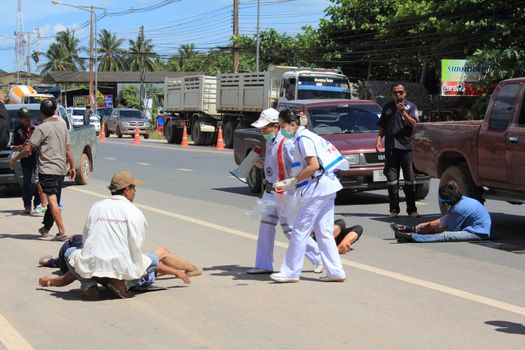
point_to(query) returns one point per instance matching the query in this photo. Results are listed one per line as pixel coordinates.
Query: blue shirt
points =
(160, 121)
(467, 215)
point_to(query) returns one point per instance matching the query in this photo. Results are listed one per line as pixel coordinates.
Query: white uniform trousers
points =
(266, 239)
(318, 214)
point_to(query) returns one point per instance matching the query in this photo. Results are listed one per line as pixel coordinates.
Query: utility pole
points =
(235, 36)
(141, 62)
(28, 57)
(258, 41)
(91, 59)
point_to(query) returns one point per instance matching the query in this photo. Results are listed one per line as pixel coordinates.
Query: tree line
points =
(367, 39)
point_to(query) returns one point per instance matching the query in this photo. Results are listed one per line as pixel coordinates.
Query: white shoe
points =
(256, 271)
(281, 278)
(332, 278)
(319, 268)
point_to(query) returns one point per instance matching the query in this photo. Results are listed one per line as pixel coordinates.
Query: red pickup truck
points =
(485, 157)
(351, 126)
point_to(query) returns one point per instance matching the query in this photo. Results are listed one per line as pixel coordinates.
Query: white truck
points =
(203, 103)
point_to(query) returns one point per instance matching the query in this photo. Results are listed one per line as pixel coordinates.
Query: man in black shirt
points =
(21, 136)
(396, 123)
(4, 122)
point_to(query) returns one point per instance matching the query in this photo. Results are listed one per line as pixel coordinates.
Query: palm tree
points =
(111, 57)
(36, 56)
(182, 60)
(57, 59)
(141, 55)
(66, 39)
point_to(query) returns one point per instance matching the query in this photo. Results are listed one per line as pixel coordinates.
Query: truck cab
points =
(304, 85)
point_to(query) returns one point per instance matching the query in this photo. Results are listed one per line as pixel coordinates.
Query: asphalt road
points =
(396, 296)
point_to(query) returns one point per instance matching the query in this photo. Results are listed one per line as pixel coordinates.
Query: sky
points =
(205, 23)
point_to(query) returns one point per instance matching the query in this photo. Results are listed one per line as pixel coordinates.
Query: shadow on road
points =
(21, 236)
(352, 198)
(244, 190)
(507, 327)
(238, 272)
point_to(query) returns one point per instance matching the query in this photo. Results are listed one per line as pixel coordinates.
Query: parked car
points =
(124, 121)
(351, 126)
(77, 116)
(83, 142)
(484, 157)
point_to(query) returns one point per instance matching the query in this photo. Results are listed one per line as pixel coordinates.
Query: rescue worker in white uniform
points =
(277, 167)
(315, 184)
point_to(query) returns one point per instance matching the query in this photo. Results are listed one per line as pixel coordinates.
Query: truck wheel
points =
(119, 134)
(422, 190)
(254, 180)
(198, 137)
(227, 133)
(106, 131)
(146, 136)
(461, 175)
(170, 133)
(83, 172)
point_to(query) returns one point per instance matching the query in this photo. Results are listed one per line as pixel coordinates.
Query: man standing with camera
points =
(397, 120)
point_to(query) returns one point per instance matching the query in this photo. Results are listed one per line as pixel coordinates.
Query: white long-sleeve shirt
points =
(113, 235)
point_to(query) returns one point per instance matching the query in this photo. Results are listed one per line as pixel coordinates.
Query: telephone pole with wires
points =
(235, 47)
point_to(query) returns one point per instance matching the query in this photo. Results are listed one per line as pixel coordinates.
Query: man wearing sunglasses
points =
(397, 120)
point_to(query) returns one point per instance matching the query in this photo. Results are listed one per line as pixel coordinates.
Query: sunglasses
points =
(398, 92)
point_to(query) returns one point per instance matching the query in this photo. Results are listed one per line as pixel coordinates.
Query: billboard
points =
(459, 78)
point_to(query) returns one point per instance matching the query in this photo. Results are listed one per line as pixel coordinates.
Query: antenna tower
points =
(20, 42)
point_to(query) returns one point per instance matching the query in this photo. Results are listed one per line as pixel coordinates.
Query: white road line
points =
(177, 148)
(11, 338)
(109, 158)
(379, 271)
(143, 163)
(182, 169)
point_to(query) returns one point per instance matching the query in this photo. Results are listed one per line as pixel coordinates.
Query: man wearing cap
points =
(113, 236)
(277, 167)
(21, 136)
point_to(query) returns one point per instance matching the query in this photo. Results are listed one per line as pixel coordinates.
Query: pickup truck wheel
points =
(119, 134)
(254, 180)
(106, 130)
(461, 175)
(227, 133)
(422, 190)
(83, 172)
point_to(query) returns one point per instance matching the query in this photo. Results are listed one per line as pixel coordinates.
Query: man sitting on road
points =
(168, 264)
(466, 220)
(113, 237)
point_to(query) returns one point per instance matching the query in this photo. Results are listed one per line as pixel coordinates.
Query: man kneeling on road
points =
(113, 235)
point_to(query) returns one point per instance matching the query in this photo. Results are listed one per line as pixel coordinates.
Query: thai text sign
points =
(459, 78)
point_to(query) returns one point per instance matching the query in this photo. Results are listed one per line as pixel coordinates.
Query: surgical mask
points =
(269, 136)
(287, 133)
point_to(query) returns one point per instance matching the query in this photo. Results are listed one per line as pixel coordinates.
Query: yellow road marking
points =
(378, 271)
(10, 337)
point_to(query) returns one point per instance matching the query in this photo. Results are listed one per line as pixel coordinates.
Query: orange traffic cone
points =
(102, 133)
(220, 141)
(136, 139)
(184, 142)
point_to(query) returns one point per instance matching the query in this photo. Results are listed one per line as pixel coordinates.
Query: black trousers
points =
(51, 184)
(396, 159)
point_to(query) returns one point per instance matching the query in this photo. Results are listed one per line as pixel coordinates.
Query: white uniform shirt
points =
(113, 236)
(273, 162)
(321, 183)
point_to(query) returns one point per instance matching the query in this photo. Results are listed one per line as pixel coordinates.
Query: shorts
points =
(150, 275)
(51, 184)
(160, 128)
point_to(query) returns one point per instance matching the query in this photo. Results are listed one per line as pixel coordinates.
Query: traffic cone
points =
(136, 139)
(220, 141)
(184, 142)
(102, 133)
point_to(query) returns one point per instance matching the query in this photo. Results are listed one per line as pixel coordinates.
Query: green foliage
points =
(63, 54)
(111, 57)
(128, 97)
(141, 55)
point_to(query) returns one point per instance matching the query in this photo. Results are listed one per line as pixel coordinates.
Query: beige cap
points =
(268, 116)
(123, 179)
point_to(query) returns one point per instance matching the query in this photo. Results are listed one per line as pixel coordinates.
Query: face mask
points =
(286, 133)
(269, 136)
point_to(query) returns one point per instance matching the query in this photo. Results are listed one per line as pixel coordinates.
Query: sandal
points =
(60, 238)
(43, 233)
(196, 271)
